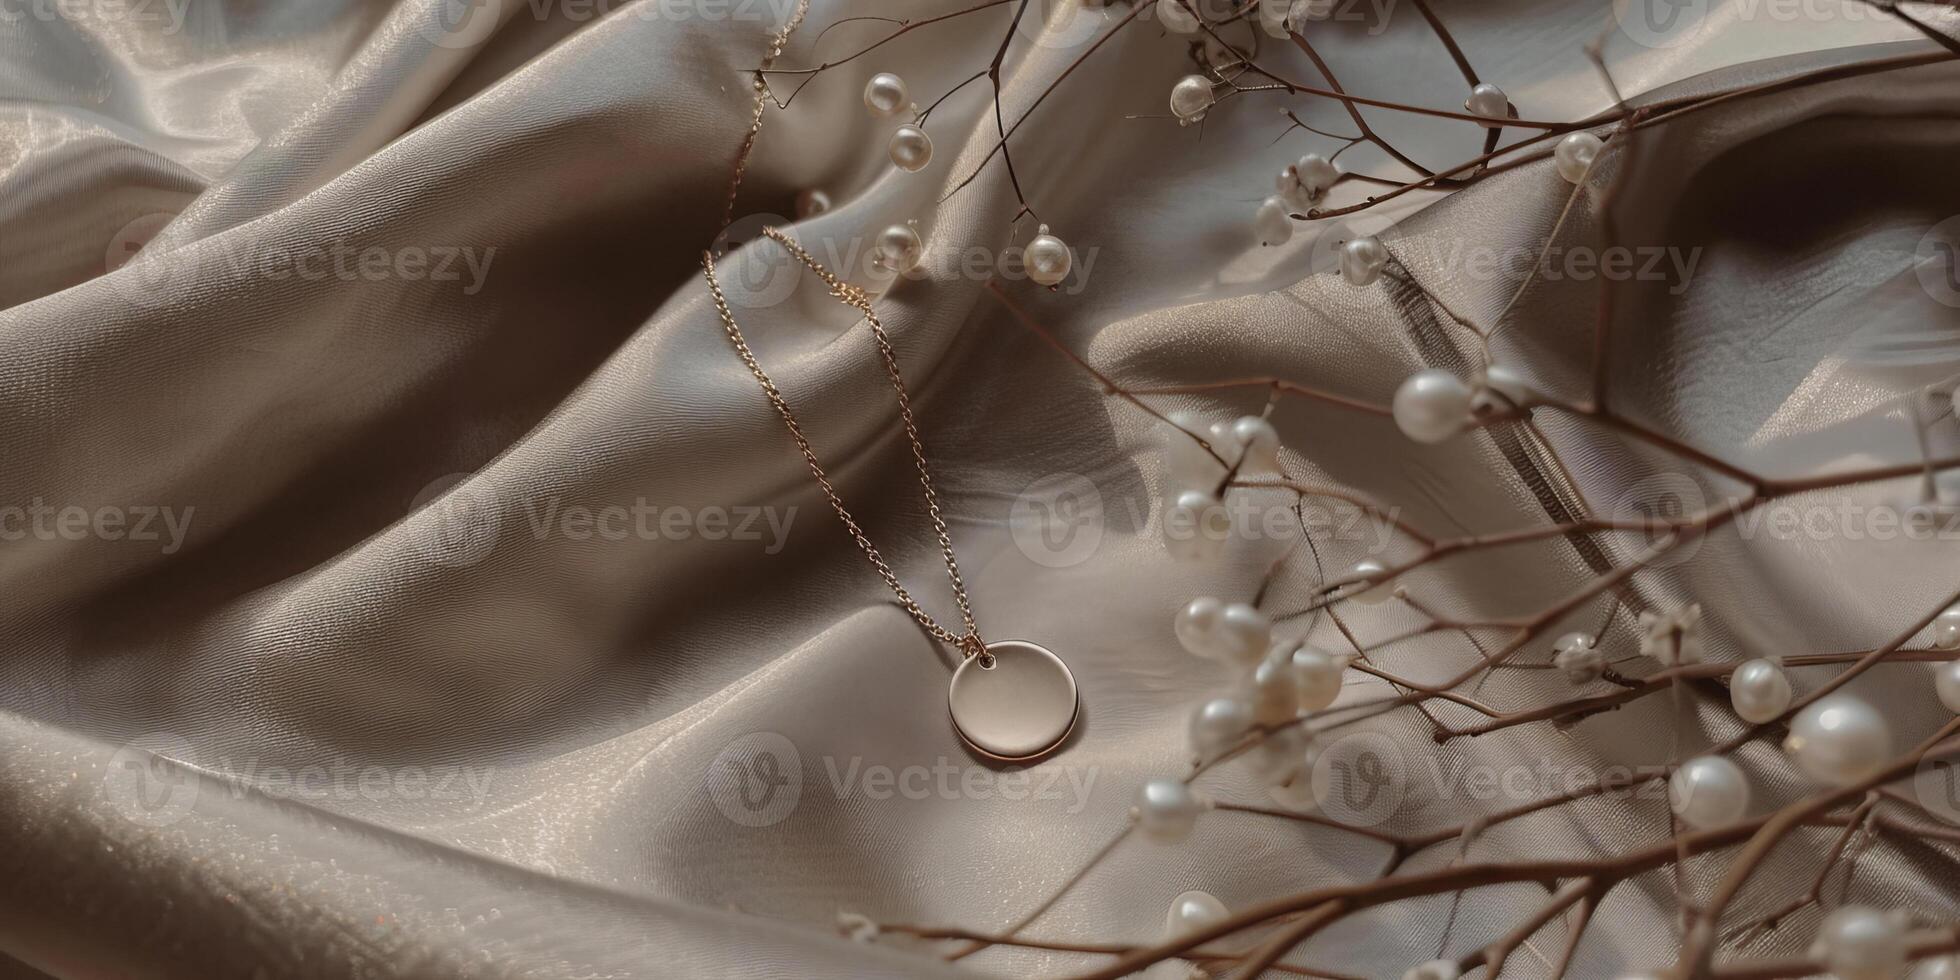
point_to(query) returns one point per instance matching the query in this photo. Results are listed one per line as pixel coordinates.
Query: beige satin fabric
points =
(504, 633)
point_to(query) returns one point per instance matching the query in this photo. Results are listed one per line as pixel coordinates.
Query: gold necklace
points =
(1011, 700)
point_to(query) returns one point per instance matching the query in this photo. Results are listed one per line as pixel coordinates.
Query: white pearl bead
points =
(1317, 174)
(1575, 154)
(1258, 445)
(1191, 98)
(1176, 18)
(1272, 224)
(1362, 260)
(1275, 694)
(1760, 691)
(1244, 633)
(811, 202)
(1292, 192)
(1578, 656)
(1196, 528)
(1192, 911)
(1318, 675)
(898, 248)
(1434, 970)
(1858, 942)
(1048, 259)
(1938, 968)
(1166, 810)
(1946, 629)
(1946, 680)
(1196, 626)
(1432, 406)
(1488, 100)
(1218, 725)
(1708, 792)
(885, 94)
(1272, 18)
(1361, 592)
(910, 148)
(1839, 740)
(1280, 757)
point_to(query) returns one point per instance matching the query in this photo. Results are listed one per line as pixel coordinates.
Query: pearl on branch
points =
(1191, 99)
(1192, 527)
(1432, 405)
(1946, 629)
(1048, 258)
(1946, 681)
(885, 94)
(1575, 154)
(1317, 175)
(1362, 260)
(898, 248)
(1839, 740)
(1489, 101)
(1709, 791)
(1858, 942)
(1166, 810)
(1258, 444)
(1272, 223)
(1176, 18)
(1317, 675)
(1578, 656)
(1361, 591)
(1759, 690)
(910, 148)
(1275, 692)
(1219, 724)
(1192, 911)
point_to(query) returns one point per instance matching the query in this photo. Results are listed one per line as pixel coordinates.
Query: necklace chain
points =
(969, 643)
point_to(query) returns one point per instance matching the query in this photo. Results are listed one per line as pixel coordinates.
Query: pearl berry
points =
(885, 94)
(1709, 791)
(1839, 740)
(1176, 17)
(1362, 260)
(1489, 101)
(1167, 809)
(1760, 691)
(1048, 258)
(1432, 405)
(1272, 224)
(1578, 656)
(1858, 942)
(1317, 676)
(910, 149)
(1192, 911)
(1575, 154)
(1218, 725)
(1191, 98)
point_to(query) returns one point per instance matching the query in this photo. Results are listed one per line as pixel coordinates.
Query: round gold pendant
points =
(1018, 710)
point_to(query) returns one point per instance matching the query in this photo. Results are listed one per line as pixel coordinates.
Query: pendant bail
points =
(972, 646)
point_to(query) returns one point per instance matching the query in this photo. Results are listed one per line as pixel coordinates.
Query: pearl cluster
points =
(909, 147)
(1196, 516)
(1433, 405)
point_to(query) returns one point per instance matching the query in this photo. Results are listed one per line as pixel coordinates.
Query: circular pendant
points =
(1018, 710)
